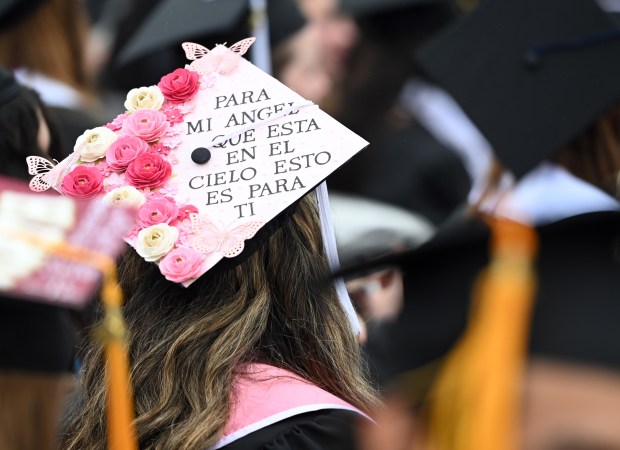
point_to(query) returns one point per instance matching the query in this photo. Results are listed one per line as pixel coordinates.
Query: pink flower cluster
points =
(83, 182)
(141, 158)
(182, 264)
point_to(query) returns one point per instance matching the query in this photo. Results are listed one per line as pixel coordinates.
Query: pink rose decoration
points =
(123, 151)
(182, 264)
(179, 86)
(83, 182)
(158, 210)
(185, 211)
(148, 170)
(147, 124)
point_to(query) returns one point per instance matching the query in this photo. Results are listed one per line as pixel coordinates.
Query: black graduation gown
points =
(325, 429)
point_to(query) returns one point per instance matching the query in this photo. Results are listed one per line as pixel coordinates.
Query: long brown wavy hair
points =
(594, 156)
(187, 344)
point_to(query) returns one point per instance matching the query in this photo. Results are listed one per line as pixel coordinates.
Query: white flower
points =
(127, 196)
(93, 144)
(156, 241)
(144, 98)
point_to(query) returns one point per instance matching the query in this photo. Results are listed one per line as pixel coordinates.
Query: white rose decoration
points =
(156, 241)
(93, 144)
(144, 98)
(127, 196)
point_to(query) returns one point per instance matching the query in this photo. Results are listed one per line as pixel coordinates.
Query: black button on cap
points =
(201, 155)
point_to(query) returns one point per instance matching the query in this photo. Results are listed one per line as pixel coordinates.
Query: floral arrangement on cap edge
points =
(131, 161)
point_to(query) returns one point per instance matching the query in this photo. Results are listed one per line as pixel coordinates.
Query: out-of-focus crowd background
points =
(438, 154)
(353, 58)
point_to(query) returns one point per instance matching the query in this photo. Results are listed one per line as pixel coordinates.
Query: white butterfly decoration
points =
(46, 174)
(212, 236)
(220, 59)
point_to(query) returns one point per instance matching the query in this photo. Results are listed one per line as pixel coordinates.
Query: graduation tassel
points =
(120, 414)
(475, 402)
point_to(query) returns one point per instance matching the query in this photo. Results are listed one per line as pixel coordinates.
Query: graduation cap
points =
(531, 75)
(576, 260)
(174, 21)
(436, 353)
(40, 232)
(215, 157)
(366, 229)
(38, 283)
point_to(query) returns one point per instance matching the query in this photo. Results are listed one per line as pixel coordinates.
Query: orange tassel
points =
(121, 431)
(476, 401)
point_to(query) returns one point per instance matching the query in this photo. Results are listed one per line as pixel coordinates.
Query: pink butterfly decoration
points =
(220, 59)
(212, 236)
(46, 174)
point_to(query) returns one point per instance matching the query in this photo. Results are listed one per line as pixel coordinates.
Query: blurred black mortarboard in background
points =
(574, 315)
(13, 11)
(362, 8)
(529, 82)
(173, 21)
(424, 175)
(149, 46)
(35, 337)
(412, 21)
(38, 286)
(366, 229)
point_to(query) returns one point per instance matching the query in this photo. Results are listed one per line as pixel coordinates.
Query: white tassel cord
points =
(329, 239)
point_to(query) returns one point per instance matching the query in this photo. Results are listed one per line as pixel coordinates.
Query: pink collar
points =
(265, 395)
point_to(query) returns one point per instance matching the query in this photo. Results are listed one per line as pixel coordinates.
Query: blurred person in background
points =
(298, 63)
(36, 340)
(553, 272)
(104, 17)
(42, 42)
(26, 128)
(338, 35)
(365, 230)
(405, 165)
(132, 64)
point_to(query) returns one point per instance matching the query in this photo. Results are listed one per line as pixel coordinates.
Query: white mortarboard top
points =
(210, 155)
(49, 244)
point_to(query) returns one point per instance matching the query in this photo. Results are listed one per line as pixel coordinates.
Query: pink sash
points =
(266, 395)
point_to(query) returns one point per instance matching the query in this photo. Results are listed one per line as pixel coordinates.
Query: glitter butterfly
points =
(220, 59)
(212, 236)
(46, 174)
